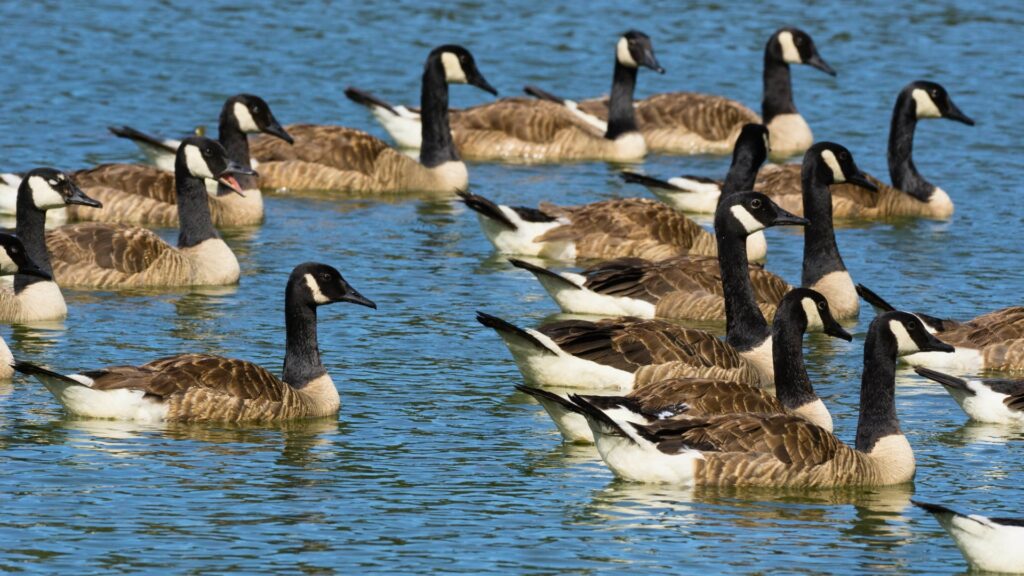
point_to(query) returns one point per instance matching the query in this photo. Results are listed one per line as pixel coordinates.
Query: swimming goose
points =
(137, 194)
(909, 195)
(593, 354)
(778, 450)
(101, 255)
(691, 287)
(998, 401)
(204, 387)
(9, 184)
(988, 544)
(14, 259)
(525, 129)
(692, 123)
(345, 159)
(992, 341)
(704, 396)
(36, 297)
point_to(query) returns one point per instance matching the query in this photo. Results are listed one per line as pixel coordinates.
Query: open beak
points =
(79, 197)
(356, 298)
(651, 62)
(815, 61)
(861, 180)
(954, 113)
(784, 218)
(275, 129)
(227, 178)
(833, 329)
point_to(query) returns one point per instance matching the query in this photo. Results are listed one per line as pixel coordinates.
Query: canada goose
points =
(692, 123)
(992, 341)
(704, 396)
(778, 450)
(988, 544)
(992, 400)
(9, 185)
(909, 195)
(14, 259)
(691, 287)
(345, 159)
(36, 297)
(204, 387)
(589, 355)
(101, 255)
(525, 129)
(136, 194)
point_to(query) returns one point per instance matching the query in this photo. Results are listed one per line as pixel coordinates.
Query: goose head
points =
(48, 188)
(835, 163)
(635, 50)
(910, 333)
(14, 259)
(816, 312)
(932, 101)
(252, 115)
(317, 284)
(744, 213)
(794, 46)
(205, 158)
(459, 67)
(754, 142)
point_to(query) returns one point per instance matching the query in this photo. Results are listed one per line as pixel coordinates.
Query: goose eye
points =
(325, 276)
(935, 93)
(821, 306)
(799, 40)
(14, 249)
(255, 109)
(755, 203)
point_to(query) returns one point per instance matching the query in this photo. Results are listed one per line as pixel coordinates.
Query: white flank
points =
(986, 405)
(405, 128)
(521, 240)
(557, 368)
(121, 404)
(582, 300)
(960, 360)
(639, 460)
(692, 196)
(590, 119)
(985, 544)
(571, 425)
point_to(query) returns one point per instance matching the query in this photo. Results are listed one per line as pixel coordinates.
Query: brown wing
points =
(147, 181)
(335, 146)
(992, 328)
(175, 374)
(712, 117)
(526, 119)
(782, 184)
(789, 439)
(706, 397)
(125, 249)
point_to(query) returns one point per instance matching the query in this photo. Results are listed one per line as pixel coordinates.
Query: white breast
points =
(789, 134)
(760, 357)
(213, 263)
(41, 301)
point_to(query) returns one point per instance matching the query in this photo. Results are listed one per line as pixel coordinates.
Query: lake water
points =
(435, 463)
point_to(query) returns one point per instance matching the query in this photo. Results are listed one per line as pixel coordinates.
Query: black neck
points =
(792, 385)
(236, 143)
(877, 390)
(621, 116)
(742, 173)
(194, 222)
(745, 326)
(821, 255)
(302, 352)
(902, 172)
(31, 229)
(778, 89)
(438, 147)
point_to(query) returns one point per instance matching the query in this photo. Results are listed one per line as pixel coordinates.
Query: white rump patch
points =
(196, 165)
(833, 164)
(622, 54)
(244, 118)
(314, 288)
(926, 107)
(750, 224)
(789, 52)
(453, 71)
(904, 343)
(44, 196)
(813, 315)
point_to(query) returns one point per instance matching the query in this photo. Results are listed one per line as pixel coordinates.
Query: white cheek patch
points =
(43, 195)
(811, 311)
(926, 107)
(314, 288)
(750, 223)
(7, 265)
(453, 71)
(789, 52)
(623, 55)
(245, 120)
(196, 165)
(904, 343)
(833, 164)
(767, 142)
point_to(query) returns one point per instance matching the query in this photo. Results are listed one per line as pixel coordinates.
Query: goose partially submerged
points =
(204, 387)
(994, 400)
(673, 397)
(988, 544)
(777, 450)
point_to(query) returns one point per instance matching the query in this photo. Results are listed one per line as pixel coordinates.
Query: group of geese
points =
(661, 402)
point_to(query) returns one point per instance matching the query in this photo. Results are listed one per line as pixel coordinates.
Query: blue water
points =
(435, 464)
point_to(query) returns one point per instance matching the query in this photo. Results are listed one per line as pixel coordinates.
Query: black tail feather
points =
(541, 271)
(945, 379)
(31, 369)
(934, 508)
(133, 134)
(636, 178)
(366, 99)
(483, 206)
(873, 299)
(595, 414)
(549, 396)
(542, 94)
(500, 325)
